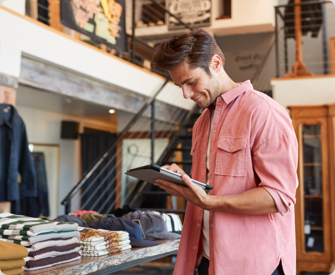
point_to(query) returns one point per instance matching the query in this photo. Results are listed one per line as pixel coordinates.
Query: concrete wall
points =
(244, 55)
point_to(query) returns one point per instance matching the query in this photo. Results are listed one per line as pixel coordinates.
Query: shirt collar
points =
(234, 93)
(14, 117)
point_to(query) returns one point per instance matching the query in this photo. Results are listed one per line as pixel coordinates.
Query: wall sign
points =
(101, 20)
(197, 13)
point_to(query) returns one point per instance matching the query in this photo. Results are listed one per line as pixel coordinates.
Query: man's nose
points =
(187, 92)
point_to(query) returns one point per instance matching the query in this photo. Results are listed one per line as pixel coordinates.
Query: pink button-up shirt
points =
(252, 145)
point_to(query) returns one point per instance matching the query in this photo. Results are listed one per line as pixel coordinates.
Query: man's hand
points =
(193, 193)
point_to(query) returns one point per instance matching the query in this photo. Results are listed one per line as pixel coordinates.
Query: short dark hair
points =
(196, 47)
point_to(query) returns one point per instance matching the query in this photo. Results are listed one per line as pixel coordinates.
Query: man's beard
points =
(214, 95)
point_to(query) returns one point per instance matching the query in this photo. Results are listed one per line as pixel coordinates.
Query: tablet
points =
(150, 173)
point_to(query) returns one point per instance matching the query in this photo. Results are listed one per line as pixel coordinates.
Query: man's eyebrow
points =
(184, 81)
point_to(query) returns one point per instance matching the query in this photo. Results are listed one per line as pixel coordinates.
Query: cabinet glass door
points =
(312, 173)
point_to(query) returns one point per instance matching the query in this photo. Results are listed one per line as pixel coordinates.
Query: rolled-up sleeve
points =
(275, 163)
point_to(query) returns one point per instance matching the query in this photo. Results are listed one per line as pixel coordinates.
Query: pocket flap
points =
(232, 144)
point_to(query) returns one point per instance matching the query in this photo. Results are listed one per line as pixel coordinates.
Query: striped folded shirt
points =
(27, 240)
(52, 252)
(51, 261)
(52, 242)
(22, 225)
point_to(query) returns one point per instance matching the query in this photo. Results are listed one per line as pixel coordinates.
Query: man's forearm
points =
(253, 202)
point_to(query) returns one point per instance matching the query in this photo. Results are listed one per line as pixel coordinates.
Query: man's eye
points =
(192, 83)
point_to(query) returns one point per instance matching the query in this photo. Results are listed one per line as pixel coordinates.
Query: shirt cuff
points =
(284, 203)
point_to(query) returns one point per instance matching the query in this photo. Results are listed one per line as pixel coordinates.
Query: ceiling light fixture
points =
(111, 111)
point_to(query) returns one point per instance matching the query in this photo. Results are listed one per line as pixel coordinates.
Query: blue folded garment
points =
(68, 218)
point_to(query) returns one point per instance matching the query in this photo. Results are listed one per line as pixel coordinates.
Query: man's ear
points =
(216, 63)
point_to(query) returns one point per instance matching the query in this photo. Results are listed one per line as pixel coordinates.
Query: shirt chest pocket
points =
(231, 157)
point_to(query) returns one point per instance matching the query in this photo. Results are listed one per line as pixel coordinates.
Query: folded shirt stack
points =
(48, 242)
(26, 231)
(11, 258)
(99, 242)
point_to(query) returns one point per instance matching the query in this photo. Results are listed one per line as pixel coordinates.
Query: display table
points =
(113, 262)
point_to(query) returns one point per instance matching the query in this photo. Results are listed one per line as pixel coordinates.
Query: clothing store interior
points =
(81, 104)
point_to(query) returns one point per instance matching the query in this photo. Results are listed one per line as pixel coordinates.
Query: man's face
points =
(196, 84)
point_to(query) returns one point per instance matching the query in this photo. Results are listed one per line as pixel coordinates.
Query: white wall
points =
(247, 17)
(45, 127)
(18, 6)
(21, 36)
(304, 91)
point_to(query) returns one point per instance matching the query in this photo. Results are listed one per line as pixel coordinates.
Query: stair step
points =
(188, 125)
(185, 137)
(155, 193)
(163, 210)
(188, 149)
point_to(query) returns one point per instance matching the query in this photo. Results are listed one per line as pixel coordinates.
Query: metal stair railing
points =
(261, 78)
(103, 163)
(163, 159)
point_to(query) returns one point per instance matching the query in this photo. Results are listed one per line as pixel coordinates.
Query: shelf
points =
(317, 228)
(313, 196)
(312, 164)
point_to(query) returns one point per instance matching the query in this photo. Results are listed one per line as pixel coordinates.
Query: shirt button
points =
(204, 155)
(220, 98)
(203, 177)
(212, 153)
(211, 176)
(232, 147)
(198, 225)
(194, 247)
(211, 225)
(212, 249)
(214, 131)
(219, 109)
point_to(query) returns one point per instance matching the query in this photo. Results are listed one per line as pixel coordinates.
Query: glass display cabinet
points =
(315, 220)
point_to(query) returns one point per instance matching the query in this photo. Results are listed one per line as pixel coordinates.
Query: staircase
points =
(150, 197)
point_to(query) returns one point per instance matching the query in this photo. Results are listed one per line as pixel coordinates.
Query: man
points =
(245, 147)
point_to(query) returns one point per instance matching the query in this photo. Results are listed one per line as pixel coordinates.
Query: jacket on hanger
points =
(15, 157)
(311, 19)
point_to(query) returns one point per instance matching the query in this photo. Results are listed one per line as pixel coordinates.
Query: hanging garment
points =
(311, 19)
(15, 157)
(38, 206)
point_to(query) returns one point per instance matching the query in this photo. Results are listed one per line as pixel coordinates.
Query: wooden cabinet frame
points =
(325, 116)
